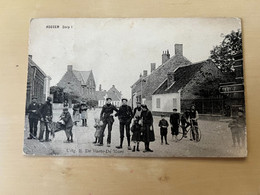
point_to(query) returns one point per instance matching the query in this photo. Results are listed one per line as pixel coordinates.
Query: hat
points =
(108, 99)
(162, 115)
(124, 99)
(144, 106)
(34, 97)
(138, 102)
(83, 103)
(240, 110)
(174, 109)
(65, 109)
(49, 98)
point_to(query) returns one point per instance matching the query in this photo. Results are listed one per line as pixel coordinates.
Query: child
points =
(68, 124)
(175, 121)
(163, 124)
(84, 114)
(98, 126)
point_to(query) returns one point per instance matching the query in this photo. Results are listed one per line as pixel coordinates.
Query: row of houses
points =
(179, 83)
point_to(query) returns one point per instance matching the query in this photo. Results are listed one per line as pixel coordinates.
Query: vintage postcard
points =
(135, 87)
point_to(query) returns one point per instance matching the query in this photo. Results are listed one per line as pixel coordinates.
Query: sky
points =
(118, 50)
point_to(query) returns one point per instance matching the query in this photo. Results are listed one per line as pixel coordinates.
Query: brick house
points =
(38, 83)
(144, 87)
(196, 83)
(113, 93)
(78, 83)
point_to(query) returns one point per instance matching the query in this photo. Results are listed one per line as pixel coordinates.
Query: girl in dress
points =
(84, 114)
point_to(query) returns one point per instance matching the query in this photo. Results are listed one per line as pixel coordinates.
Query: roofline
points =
(203, 61)
(159, 86)
(34, 64)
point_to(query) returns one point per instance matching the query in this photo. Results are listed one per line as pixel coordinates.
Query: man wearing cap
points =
(125, 116)
(46, 117)
(33, 111)
(106, 116)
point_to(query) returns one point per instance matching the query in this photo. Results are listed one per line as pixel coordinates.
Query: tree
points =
(223, 54)
(58, 94)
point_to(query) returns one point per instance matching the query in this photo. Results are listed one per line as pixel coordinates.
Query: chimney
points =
(145, 73)
(140, 76)
(170, 78)
(165, 56)
(30, 56)
(178, 49)
(69, 68)
(153, 67)
(100, 88)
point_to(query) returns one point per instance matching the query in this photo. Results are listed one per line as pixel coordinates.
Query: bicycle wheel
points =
(180, 134)
(199, 135)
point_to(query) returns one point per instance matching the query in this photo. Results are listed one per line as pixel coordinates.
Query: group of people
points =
(142, 127)
(43, 113)
(140, 117)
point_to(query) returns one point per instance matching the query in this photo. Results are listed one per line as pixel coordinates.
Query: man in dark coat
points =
(46, 117)
(175, 122)
(106, 116)
(125, 116)
(147, 126)
(33, 111)
(68, 124)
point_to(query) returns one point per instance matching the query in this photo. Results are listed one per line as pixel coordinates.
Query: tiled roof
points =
(82, 76)
(182, 76)
(158, 75)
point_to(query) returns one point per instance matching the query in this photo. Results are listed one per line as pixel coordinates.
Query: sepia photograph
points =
(135, 87)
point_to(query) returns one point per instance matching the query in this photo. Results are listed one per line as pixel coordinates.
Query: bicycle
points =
(181, 134)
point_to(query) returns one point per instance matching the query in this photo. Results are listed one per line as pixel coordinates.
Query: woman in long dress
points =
(76, 114)
(84, 114)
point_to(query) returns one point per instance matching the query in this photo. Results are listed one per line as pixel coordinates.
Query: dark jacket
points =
(175, 119)
(107, 110)
(163, 123)
(66, 117)
(46, 110)
(147, 117)
(125, 113)
(33, 111)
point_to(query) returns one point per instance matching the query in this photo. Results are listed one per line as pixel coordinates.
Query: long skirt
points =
(76, 116)
(84, 115)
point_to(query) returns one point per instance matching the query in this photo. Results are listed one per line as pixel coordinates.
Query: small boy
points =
(68, 124)
(163, 124)
(98, 126)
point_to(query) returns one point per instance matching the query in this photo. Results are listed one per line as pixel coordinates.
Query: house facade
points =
(38, 83)
(113, 93)
(144, 87)
(80, 84)
(196, 84)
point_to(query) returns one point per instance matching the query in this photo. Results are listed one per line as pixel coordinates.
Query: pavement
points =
(216, 141)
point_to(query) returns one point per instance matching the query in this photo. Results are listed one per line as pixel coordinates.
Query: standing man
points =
(33, 110)
(175, 122)
(46, 117)
(106, 116)
(194, 116)
(125, 116)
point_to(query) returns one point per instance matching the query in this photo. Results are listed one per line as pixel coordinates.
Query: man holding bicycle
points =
(194, 115)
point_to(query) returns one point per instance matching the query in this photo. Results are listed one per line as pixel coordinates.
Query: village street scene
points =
(177, 108)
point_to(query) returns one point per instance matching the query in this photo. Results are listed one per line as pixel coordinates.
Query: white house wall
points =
(166, 102)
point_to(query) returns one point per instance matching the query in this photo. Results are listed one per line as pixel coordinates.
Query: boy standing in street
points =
(163, 124)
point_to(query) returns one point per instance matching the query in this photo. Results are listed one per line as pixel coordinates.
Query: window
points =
(158, 102)
(174, 103)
